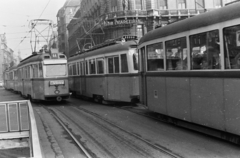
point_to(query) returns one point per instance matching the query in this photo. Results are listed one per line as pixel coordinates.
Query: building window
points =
(139, 31)
(161, 4)
(217, 3)
(139, 4)
(114, 5)
(125, 4)
(181, 4)
(200, 4)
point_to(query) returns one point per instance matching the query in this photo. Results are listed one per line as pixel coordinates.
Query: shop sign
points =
(120, 22)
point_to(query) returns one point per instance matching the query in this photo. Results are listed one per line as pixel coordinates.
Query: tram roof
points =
(11, 68)
(31, 58)
(104, 50)
(205, 19)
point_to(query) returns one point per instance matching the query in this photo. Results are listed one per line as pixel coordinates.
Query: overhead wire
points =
(34, 25)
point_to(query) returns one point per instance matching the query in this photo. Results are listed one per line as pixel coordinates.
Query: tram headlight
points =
(56, 82)
(56, 91)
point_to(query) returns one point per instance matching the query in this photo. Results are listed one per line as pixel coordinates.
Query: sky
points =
(15, 16)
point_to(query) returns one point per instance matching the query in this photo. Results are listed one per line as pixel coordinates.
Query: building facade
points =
(97, 21)
(64, 16)
(6, 55)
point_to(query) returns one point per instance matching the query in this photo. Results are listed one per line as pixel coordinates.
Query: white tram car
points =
(190, 70)
(41, 76)
(9, 78)
(106, 73)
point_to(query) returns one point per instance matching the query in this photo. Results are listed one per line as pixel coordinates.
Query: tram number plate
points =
(56, 82)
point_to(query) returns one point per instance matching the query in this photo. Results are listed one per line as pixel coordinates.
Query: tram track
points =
(186, 125)
(55, 146)
(158, 148)
(79, 144)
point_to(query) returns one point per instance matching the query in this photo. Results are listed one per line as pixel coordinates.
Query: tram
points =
(44, 74)
(107, 72)
(190, 70)
(9, 80)
(41, 76)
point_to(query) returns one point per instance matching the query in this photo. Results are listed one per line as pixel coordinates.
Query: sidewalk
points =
(6, 95)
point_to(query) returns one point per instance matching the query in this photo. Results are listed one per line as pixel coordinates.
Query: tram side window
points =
(74, 69)
(205, 50)
(113, 65)
(92, 66)
(231, 36)
(69, 72)
(35, 71)
(15, 75)
(78, 69)
(40, 70)
(24, 72)
(176, 54)
(100, 66)
(19, 74)
(155, 57)
(28, 72)
(82, 68)
(124, 63)
(86, 67)
(135, 60)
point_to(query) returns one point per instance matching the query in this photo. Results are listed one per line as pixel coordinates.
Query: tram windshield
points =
(56, 70)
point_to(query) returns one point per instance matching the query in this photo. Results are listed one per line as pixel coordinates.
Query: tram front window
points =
(56, 70)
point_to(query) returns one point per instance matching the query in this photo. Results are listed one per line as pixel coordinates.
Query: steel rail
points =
(161, 149)
(70, 133)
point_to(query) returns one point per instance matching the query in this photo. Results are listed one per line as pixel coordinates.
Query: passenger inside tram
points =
(205, 51)
(232, 47)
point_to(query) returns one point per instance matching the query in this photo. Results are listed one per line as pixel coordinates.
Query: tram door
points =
(83, 83)
(143, 84)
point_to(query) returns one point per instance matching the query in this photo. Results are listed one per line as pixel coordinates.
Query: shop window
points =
(205, 50)
(155, 57)
(176, 54)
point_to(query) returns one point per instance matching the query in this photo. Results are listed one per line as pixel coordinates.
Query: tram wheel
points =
(59, 99)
